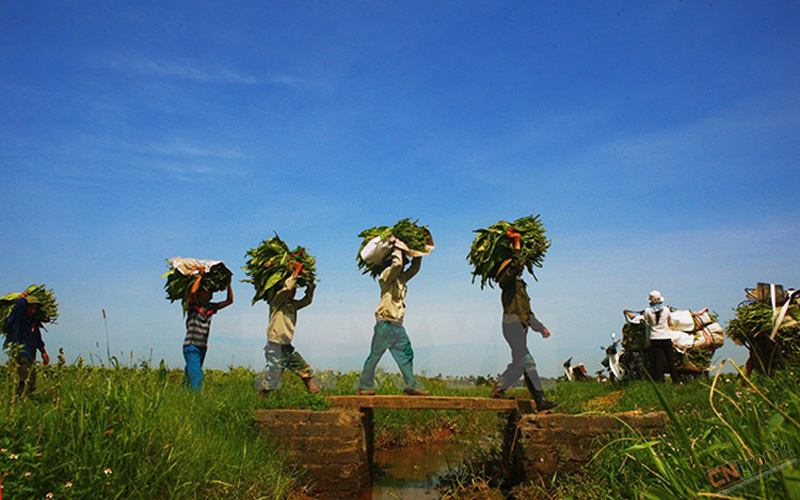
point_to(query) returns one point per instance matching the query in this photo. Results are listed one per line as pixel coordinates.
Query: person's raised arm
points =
(228, 300)
(413, 269)
(196, 286)
(309, 296)
(289, 286)
(396, 266)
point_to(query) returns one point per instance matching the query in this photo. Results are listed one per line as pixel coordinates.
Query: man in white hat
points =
(656, 318)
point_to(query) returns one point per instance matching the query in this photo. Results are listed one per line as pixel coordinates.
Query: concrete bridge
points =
(335, 446)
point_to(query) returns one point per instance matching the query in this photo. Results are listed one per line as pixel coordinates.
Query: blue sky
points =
(658, 141)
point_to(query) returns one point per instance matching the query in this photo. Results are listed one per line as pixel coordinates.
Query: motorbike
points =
(695, 334)
(576, 373)
(611, 362)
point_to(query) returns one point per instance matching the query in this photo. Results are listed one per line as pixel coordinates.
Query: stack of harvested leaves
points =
(752, 327)
(417, 238)
(47, 313)
(272, 262)
(492, 246)
(184, 272)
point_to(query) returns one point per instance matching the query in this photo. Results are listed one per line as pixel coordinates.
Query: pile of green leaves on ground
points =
(271, 263)
(178, 284)
(47, 312)
(492, 246)
(415, 237)
(752, 326)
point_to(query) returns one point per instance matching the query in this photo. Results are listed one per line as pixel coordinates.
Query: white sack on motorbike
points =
(681, 321)
(710, 337)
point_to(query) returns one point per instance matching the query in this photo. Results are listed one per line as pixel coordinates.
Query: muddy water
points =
(412, 472)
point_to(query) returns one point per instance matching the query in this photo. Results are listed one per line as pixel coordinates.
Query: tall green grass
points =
(709, 422)
(119, 432)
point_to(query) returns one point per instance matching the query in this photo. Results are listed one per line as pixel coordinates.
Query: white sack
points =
(375, 251)
(189, 267)
(710, 337)
(681, 321)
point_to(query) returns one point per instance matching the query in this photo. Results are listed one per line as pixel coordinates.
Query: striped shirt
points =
(198, 326)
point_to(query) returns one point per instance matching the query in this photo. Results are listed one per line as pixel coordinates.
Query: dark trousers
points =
(522, 363)
(661, 360)
(26, 374)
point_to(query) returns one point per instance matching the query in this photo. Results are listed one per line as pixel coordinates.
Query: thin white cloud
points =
(195, 71)
(183, 70)
(181, 148)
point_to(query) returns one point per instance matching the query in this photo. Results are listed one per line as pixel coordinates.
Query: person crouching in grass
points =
(198, 327)
(279, 352)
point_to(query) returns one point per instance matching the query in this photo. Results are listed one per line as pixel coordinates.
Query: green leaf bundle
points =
(417, 238)
(178, 284)
(271, 263)
(752, 326)
(492, 246)
(47, 312)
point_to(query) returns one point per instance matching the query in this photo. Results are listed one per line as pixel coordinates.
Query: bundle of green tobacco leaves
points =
(184, 272)
(417, 238)
(272, 262)
(492, 246)
(47, 312)
(752, 326)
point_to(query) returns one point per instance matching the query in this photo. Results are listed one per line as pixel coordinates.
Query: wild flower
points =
(49, 495)
(27, 473)
(107, 471)
(68, 484)
(13, 456)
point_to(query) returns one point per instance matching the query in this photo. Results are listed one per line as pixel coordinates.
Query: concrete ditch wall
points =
(331, 446)
(550, 442)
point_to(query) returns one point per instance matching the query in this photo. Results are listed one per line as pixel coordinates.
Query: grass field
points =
(135, 432)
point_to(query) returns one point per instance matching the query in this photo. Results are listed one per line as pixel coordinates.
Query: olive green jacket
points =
(515, 299)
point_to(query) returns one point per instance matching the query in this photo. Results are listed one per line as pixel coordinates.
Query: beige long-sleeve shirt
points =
(283, 312)
(392, 281)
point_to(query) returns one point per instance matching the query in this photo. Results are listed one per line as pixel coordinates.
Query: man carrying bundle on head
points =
(25, 333)
(389, 333)
(199, 311)
(275, 273)
(517, 318)
(279, 351)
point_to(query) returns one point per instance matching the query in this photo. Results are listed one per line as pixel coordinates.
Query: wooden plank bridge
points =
(432, 403)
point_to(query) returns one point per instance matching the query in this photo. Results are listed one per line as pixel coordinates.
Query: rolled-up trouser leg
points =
(295, 362)
(273, 371)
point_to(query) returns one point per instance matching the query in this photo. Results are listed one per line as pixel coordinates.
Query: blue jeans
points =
(394, 338)
(193, 373)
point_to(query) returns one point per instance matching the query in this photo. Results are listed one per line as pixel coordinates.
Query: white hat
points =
(655, 297)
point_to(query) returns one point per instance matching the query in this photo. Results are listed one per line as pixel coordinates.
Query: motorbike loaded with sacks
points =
(695, 337)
